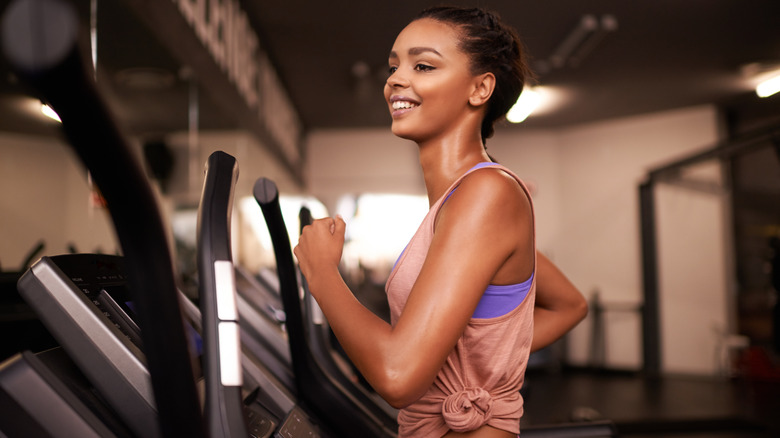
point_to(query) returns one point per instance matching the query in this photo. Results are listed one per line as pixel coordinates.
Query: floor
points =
(670, 406)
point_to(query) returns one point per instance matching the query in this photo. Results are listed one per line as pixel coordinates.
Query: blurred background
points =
(653, 162)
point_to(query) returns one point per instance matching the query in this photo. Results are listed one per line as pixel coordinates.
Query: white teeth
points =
(403, 105)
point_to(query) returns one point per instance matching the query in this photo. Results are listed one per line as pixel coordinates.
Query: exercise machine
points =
(44, 404)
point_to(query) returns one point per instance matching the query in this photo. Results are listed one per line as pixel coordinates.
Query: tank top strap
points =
(457, 182)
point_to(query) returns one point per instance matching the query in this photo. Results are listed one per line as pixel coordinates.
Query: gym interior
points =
(657, 197)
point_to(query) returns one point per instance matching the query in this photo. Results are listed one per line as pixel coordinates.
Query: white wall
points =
(254, 161)
(585, 181)
(599, 244)
(343, 162)
(693, 280)
(45, 195)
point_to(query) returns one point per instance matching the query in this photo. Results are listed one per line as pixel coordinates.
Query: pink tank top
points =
(480, 381)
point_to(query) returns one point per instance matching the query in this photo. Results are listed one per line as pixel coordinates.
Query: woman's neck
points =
(445, 160)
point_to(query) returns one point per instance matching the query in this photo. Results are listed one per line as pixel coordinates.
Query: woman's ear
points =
(484, 85)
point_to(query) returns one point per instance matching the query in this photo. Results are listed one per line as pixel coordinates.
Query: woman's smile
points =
(401, 105)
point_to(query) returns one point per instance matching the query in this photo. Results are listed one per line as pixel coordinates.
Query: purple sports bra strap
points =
(477, 166)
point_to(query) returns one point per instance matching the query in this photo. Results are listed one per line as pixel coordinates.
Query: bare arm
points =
(469, 247)
(559, 305)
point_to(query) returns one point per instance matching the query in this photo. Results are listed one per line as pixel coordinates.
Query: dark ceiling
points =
(663, 54)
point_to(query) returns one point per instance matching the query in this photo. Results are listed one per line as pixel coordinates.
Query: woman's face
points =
(430, 82)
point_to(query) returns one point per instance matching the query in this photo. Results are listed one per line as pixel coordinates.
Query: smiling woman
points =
(469, 296)
(428, 85)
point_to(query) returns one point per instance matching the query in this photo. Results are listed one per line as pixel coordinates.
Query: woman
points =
(469, 297)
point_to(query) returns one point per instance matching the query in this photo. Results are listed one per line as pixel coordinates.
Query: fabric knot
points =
(467, 410)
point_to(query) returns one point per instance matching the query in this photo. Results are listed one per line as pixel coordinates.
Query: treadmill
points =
(110, 394)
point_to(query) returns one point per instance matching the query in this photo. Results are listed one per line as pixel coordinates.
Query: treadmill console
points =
(85, 302)
(297, 425)
(102, 281)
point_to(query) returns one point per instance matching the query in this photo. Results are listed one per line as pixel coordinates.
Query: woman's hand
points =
(320, 246)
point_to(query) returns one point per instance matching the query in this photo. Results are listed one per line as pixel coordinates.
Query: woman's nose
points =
(397, 80)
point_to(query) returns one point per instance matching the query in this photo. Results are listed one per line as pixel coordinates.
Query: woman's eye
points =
(391, 70)
(423, 67)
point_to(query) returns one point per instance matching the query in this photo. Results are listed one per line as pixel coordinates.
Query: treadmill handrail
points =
(319, 390)
(318, 332)
(267, 196)
(224, 412)
(60, 76)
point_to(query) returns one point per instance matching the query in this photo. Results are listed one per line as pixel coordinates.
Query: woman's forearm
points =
(368, 340)
(559, 304)
(351, 322)
(551, 325)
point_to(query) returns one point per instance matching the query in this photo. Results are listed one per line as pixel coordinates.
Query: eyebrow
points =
(416, 51)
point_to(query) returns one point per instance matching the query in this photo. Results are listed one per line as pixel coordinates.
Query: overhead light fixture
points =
(49, 112)
(768, 86)
(764, 76)
(588, 33)
(526, 104)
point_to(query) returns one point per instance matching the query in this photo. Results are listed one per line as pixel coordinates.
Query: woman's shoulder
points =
(493, 184)
(490, 194)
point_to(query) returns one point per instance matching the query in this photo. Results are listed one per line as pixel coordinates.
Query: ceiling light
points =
(768, 87)
(49, 112)
(526, 104)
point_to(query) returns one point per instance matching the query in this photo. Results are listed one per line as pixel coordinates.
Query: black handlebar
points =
(319, 390)
(40, 39)
(224, 410)
(267, 196)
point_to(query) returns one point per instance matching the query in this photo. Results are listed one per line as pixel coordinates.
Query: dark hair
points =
(493, 47)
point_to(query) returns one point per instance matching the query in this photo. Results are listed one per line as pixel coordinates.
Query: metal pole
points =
(651, 333)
